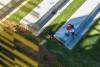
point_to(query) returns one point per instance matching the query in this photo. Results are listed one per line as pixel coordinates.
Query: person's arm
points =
(72, 30)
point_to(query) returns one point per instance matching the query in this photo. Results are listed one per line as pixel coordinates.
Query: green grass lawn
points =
(86, 52)
(23, 11)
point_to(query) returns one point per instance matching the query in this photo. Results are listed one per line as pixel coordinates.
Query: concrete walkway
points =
(81, 20)
(39, 11)
(42, 14)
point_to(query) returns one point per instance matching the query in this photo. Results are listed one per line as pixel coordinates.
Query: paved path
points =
(39, 11)
(86, 12)
(43, 13)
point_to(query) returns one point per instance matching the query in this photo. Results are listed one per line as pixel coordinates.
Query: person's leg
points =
(72, 34)
(67, 34)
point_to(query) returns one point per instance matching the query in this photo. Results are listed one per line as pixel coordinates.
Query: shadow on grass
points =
(88, 49)
(51, 28)
(85, 54)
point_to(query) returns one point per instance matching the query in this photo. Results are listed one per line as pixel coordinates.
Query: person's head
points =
(69, 26)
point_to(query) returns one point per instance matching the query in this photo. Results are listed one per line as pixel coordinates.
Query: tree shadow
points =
(18, 46)
(79, 56)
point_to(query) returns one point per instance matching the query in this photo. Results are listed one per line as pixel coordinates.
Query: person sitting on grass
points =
(70, 30)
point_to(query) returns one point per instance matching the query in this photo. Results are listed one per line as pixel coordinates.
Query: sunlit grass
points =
(29, 60)
(92, 36)
(20, 63)
(5, 62)
(6, 41)
(12, 35)
(6, 35)
(26, 42)
(9, 35)
(6, 57)
(19, 54)
(24, 10)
